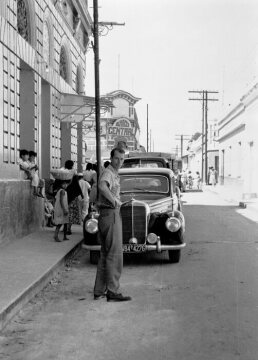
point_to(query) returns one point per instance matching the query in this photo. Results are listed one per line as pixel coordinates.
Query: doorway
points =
(27, 133)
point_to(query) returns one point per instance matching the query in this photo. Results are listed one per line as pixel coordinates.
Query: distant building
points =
(193, 159)
(119, 126)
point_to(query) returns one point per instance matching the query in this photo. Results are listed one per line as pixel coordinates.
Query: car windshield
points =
(133, 163)
(144, 183)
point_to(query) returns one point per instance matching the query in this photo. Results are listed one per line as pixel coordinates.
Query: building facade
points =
(194, 160)
(119, 126)
(43, 47)
(238, 146)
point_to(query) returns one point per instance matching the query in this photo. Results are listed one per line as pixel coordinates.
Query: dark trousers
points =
(111, 255)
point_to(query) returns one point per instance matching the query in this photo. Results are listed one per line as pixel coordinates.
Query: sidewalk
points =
(27, 265)
(233, 197)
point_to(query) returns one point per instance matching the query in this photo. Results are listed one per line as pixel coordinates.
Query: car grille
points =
(134, 222)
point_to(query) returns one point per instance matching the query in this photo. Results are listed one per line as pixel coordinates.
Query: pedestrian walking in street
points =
(94, 184)
(190, 180)
(110, 231)
(61, 213)
(213, 175)
(209, 176)
(73, 192)
(183, 180)
(198, 180)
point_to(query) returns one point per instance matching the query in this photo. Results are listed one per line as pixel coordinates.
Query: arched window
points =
(46, 43)
(63, 64)
(23, 20)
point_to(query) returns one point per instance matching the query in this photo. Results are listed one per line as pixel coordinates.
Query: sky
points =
(168, 47)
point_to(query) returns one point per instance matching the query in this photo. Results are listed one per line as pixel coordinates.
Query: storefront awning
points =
(75, 108)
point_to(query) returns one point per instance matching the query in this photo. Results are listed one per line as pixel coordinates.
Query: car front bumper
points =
(148, 247)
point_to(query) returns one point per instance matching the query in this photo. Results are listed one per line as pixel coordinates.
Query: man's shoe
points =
(117, 297)
(98, 297)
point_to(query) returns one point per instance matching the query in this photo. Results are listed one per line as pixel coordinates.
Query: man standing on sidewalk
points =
(110, 231)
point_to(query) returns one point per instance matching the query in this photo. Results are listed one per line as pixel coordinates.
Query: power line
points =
(204, 98)
(182, 138)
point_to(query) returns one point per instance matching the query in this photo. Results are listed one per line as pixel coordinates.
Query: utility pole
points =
(147, 127)
(107, 26)
(97, 93)
(204, 99)
(182, 138)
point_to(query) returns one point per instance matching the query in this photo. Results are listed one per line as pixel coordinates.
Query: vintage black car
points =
(151, 214)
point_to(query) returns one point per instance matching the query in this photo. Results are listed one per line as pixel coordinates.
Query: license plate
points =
(134, 248)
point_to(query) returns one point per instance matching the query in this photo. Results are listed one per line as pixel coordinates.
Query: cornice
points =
(234, 131)
(122, 94)
(231, 115)
(250, 96)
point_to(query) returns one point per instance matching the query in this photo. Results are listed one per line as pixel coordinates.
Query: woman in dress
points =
(61, 210)
(73, 191)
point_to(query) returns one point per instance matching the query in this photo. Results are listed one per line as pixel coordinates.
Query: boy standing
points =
(36, 182)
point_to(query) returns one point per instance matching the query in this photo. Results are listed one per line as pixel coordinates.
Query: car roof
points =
(146, 157)
(146, 170)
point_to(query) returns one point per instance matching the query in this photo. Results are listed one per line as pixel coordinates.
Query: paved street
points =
(205, 307)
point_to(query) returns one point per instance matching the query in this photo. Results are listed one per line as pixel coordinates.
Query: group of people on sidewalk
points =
(186, 179)
(189, 180)
(71, 199)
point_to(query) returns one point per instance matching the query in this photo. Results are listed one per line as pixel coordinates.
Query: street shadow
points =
(146, 259)
(218, 219)
(194, 190)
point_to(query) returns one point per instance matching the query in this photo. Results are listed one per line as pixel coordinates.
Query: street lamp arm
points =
(111, 23)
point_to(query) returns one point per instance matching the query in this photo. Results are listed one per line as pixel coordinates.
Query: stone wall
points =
(20, 212)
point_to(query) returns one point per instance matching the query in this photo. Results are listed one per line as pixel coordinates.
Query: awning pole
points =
(97, 92)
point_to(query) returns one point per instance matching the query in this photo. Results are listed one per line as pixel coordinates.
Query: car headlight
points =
(152, 238)
(133, 241)
(91, 226)
(173, 224)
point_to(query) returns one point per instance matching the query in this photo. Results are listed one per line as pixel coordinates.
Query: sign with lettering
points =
(121, 127)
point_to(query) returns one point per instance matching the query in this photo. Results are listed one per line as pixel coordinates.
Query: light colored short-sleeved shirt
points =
(110, 175)
(26, 166)
(85, 186)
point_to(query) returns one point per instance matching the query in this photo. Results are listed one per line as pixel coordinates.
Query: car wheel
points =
(94, 257)
(174, 256)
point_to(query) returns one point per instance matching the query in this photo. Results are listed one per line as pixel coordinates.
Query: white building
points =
(238, 146)
(195, 148)
(119, 124)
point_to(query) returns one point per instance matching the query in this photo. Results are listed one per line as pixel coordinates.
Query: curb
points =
(23, 298)
(227, 197)
(246, 205)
